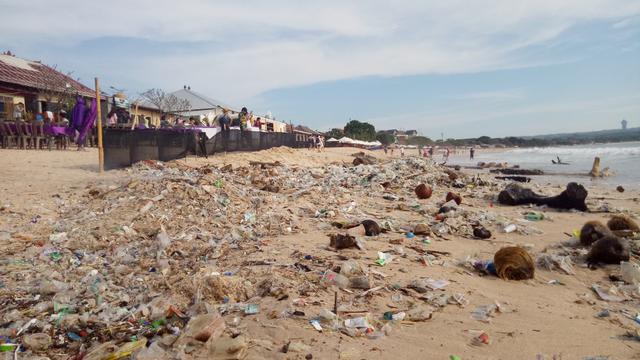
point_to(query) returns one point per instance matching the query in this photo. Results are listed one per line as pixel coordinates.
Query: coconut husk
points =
(593, 231)
(455, 197)
(422, 229)
(423, 191)
(481, 232)
(514, 263)
(371, 228)
(609, 250)
(622, 222)
(340, 241)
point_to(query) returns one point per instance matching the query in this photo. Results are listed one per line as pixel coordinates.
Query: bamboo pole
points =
(99, 125)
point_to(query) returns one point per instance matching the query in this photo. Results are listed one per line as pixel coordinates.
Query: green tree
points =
(360, 130)
(385, 138)
(419, 140)
(335, 133)
(484, 140)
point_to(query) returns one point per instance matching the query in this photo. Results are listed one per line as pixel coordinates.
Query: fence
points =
(124, 147)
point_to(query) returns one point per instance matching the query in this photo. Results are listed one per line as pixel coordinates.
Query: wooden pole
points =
(99, 125)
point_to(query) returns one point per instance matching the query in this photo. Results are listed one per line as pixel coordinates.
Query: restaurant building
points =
(29, 87)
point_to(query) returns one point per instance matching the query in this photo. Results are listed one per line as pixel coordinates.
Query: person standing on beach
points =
(472, 152)
(243, 117)
(224, 120)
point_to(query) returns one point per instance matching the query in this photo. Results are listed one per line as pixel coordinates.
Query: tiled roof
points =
(199, 103)
(306, 129)
(18, 71)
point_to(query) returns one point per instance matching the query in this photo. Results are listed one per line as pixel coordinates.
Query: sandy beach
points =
(45, 193)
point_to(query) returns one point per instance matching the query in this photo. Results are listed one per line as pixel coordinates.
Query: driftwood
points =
(573, 197)
(517, 178)
(511, 171)
(265, 164)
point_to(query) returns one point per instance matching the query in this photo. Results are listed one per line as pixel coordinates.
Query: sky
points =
(451, 68)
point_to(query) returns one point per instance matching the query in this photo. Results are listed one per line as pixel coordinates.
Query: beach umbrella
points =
(88, 121)
(77, 114)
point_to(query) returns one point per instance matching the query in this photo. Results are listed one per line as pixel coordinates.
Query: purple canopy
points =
(87, 122)
(77, 114)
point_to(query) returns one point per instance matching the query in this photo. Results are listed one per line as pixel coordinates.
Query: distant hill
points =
(587, 137)
(629, 134)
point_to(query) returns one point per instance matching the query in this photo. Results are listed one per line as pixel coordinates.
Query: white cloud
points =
(253, 46)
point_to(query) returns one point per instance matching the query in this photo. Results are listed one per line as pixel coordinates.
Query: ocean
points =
(621, 158)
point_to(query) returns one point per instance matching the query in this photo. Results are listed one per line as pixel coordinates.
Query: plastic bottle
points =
(534, 216)
(330, 278)
(351, 268)
(153, 352)
(510, 228)
(360, 282)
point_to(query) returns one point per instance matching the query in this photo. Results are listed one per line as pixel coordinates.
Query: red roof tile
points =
(27, 73)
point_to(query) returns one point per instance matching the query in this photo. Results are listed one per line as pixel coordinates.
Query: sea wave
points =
(581, 151)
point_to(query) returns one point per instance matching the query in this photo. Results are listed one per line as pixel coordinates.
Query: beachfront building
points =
(401, 134)
(29, 87)
(303, 133)
(200, 105)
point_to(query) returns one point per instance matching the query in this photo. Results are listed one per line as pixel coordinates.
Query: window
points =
(6, 108)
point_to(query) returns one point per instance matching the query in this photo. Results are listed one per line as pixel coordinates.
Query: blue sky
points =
(458, 68)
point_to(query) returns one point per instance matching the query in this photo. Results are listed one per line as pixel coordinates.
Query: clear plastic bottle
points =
(331, 278)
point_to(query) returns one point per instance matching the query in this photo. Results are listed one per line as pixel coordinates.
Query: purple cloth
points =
(87, 122)
(77, 114)
(53, 130)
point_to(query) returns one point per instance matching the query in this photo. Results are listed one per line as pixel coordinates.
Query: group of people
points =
(316, 142)
(428, 152)
(225, 120)
(243, 120)
(47, 117)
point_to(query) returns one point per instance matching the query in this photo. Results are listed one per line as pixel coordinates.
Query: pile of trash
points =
(169, 262)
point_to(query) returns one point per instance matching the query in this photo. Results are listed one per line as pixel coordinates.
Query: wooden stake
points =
(99, 125)
(595, 169)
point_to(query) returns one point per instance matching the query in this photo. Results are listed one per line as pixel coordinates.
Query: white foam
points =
(581, 151)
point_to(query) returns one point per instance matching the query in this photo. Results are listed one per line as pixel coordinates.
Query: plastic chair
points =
(27, 132)
(38, 135)
(7, 134)
(22, 137)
